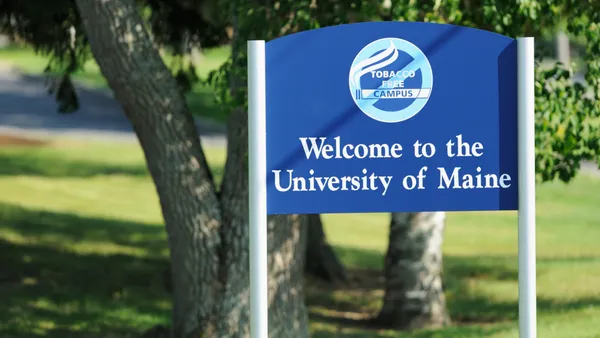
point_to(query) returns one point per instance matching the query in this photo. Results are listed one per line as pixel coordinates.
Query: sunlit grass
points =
(83, 250)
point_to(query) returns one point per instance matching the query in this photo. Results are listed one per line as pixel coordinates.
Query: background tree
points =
(566, 120)
(208, 232)
(207, 226)
(567, 132)
(265, 21)
(321, 260)
(206, 223)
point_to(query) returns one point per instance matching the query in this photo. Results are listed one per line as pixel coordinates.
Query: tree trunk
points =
(321, 260)
(286, 247)
(414, 296)
(207, 232)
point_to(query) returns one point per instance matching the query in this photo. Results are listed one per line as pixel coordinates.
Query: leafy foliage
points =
(182, 26)
(266, 21)
(54, 29)
(51, 27)
(567, 112)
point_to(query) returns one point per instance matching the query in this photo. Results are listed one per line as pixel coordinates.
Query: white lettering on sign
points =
(290, 182)
(390, 74)
(319, 148)
(472, 181)
(450, 177)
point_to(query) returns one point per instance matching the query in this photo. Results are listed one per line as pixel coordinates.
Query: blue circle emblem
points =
(390, 80)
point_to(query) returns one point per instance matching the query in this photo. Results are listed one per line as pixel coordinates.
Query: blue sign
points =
(391, 117)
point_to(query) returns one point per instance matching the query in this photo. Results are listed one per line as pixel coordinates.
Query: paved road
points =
(27, 109)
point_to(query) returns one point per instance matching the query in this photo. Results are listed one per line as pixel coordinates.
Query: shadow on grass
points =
(47, 228)
(46, 165)
(353, 304)
(489, 267)
(451, 332)
(50, 286)
(49, 289)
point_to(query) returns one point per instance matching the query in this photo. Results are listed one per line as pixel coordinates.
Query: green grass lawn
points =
(82, 254)
(200, 100)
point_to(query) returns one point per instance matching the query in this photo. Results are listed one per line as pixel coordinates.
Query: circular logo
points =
(390, 80)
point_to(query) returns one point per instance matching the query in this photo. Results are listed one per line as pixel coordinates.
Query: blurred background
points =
(83, 246)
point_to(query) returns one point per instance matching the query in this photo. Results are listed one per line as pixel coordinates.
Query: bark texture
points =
(321, 260)
(207, 232)
(414, 296)
(287, 244)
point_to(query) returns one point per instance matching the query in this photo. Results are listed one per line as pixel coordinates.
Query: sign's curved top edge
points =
(400, 23)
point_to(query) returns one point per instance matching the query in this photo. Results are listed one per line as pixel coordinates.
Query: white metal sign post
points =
(526, 162)
(257, 171)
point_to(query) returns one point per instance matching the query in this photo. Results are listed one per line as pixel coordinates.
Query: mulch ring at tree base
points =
(7, 140)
